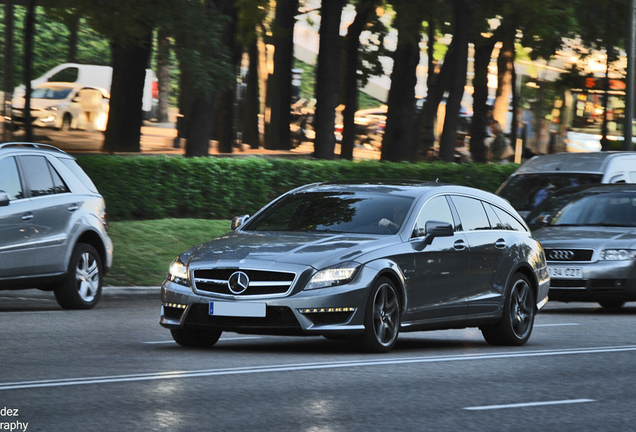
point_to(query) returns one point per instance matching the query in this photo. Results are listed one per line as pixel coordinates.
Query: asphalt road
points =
(115, 369)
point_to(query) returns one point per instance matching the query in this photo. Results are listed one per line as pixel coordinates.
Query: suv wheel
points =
(83, 285)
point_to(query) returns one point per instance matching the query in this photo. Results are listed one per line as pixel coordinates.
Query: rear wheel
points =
(83, 285)
(611, 304)
(515, 326)
(195, 338)
(382, 318)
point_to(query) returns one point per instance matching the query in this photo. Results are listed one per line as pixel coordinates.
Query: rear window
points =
(526, 191)
(80, 174)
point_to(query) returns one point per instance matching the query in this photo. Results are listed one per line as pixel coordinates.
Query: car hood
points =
(586, 236)
(266, 249)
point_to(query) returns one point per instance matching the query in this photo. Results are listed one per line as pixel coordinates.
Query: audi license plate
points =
(238, 309)
(566, 272)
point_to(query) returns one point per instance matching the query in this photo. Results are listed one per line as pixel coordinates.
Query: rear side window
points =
(80, 174)
(472, 213)
(10, 179)
(41, 177)
(506, 220)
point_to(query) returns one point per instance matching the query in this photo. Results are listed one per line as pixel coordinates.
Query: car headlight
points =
(618, 254)
(52, 108)
(338, 275)
(178, 272)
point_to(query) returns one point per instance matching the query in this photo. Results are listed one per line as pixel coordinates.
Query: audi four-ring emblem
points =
(561, 255)
(238, 282)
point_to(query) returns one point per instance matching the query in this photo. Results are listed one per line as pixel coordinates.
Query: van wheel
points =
(82, 288)
(66, 122)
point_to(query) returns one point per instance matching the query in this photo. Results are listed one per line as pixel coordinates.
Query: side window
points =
(10, 179)
(495, 222)
(472, 213)
(58, 183)
(436, 209)
(69, 74)
(508, 222)
(38, 175)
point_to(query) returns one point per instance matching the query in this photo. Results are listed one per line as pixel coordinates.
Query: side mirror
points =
(239, 220)
(542, 220)
(4, 199)
(435, 229)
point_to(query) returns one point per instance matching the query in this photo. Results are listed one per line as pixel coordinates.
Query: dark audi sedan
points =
(363, 261)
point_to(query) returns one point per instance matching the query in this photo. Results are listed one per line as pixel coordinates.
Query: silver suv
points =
(52, 225)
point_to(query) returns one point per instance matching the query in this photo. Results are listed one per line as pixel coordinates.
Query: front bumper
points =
(332, 310)
(601, 280)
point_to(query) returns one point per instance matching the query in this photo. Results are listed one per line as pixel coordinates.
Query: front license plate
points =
(237, 309)
(566, 272)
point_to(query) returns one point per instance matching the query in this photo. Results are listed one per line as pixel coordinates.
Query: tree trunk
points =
(425, 123)
(350, 80)
(464, 20)
(483, 54)
(72, 23)
(8, 64)
(505, 64)
(327, 78)
(279, 91)
(163, 76)
(29, 31)
(397, 143)
(123, 132)
(199, 128)
(251, 102)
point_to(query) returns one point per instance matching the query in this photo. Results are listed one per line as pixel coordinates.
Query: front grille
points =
(565, 255)
(261, 282)
(567, 283)
(277, 319)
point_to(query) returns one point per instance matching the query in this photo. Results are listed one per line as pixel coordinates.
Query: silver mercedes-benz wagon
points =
(363, 261)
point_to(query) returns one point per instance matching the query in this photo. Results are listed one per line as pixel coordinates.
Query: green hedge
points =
(142, 187)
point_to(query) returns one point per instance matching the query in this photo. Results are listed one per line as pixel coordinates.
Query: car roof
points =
(571, 162)
(29, 147)
(606, 188)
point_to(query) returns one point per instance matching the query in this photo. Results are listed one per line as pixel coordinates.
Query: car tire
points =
(66, 123)
(382, 318)
(515, 325)
(611, 304)
(82, 288)
(195, 338)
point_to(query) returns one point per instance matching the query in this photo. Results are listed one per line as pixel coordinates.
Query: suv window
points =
(38, 173)
(79, 173)
(10, 179)
(472, 214)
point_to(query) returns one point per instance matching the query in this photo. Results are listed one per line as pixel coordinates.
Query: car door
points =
(438, 287)
(487, 249)
(53, 209)
(16, 223)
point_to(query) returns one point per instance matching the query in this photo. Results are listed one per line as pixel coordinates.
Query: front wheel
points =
(83, 285)
(515, 326)
(195, 338)
(382, 318)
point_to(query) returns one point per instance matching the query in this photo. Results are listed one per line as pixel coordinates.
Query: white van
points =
(97, 76)
(534, 180)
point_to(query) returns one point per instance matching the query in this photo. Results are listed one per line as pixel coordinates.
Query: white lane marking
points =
(528, 404)
(220, 340)
(556, 325)
(305, 366)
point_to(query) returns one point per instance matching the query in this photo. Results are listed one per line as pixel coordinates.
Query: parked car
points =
(64, 106)
(362, 261)
(52, 225)
(590, 245)
(532, 183)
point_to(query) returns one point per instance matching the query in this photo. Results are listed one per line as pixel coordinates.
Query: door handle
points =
(27, 217)
(73, 207)
(500, 244)
(459, 245)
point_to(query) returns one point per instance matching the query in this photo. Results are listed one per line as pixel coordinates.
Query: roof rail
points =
(33, 145)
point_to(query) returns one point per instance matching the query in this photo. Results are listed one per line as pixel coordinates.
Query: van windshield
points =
(526, 191)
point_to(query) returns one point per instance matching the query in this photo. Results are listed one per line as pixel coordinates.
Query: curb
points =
(108, 290)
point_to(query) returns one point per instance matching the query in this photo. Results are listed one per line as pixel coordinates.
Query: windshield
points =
(57, 93)
(341, 212)
(599, 209)
(526, 191)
